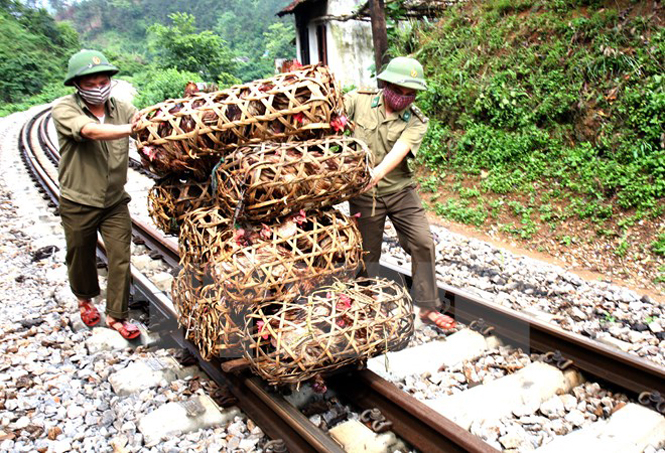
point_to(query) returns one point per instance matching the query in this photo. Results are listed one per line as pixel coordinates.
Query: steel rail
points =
(413, 421)
(419, 424)
(630, 373)
(276, 417)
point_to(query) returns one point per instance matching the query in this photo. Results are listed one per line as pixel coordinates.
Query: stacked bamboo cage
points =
(250, 178)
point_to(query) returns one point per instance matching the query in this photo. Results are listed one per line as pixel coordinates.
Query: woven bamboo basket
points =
(287, 258)
(202, 236)
(211, 322)
(171, 199)
(288, 343)
(303, 104)
(273, 180)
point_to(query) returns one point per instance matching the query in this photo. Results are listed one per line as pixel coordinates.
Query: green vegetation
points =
(658, 246)
(33, 50)
(159, 46)
(562, 101)
(461, 211)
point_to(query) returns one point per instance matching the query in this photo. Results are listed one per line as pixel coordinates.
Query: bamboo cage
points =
(291, 342)
(210, 321)
(171, 199)
(287, 258)
(202, 236)
(300, 105)
(272, 180)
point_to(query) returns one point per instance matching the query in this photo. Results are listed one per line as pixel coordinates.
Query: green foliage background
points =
(558, 100)
(33, 50)
(157, 45)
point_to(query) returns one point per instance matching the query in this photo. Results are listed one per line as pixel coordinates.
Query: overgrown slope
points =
(33, 50)
(548, 123)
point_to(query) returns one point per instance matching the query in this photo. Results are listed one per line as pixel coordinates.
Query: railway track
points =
(417, 423)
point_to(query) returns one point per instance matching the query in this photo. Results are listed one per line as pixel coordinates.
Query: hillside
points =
(33, 51)
(123, 27)
(548, 128)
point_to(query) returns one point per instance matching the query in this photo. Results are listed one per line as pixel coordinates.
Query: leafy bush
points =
(571, 97)
(156, 85)
(33, 52)
(179, 46)
(50, 93)
(462, 211)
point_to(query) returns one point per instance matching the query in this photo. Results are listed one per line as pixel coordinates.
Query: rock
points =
(513, 439)
(232, 443)
(75, 411)
(575, 417)
(569, 401)
(656, 327)
(54, 432)
(103, 339)
(635, 337)
(61, 446)
(248, 444)
(553, 407)
(558, 427)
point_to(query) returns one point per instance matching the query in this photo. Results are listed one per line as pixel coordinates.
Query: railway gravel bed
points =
(608, 313)
(55, 392)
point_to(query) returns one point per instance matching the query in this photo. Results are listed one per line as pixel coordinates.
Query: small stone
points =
(316, 420)
(656, 327)
(54, 432)
(640, 327)
(232, 442)
(558, 427)
(248, 444)
(575, 417)
(75, 411)
(569, 401)
(21, 423)
(119, 443)
(553, 407)
(236, 429)
(513, 439)
(128, 427)
(61, 446)
(635, 337)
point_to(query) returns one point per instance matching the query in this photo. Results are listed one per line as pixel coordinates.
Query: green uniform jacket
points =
(380, 132)
(92, 172)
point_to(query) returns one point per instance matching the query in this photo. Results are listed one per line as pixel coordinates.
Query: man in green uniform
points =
(93, 133)
(394, 128)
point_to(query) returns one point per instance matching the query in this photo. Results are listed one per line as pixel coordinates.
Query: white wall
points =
(350, 47)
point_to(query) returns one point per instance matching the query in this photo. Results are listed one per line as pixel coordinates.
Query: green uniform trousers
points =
(408, 216)
(81, 224)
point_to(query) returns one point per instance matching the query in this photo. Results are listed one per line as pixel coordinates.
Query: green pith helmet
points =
(405, 72)
(86, 62)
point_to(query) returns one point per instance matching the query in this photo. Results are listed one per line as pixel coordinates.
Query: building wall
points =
(350, 49)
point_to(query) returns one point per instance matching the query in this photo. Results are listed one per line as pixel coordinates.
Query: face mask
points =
(397, 101)
(95, 96)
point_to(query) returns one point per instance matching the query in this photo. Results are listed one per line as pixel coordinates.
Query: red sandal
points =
(443, 322)
(127, 330)
(89, 314)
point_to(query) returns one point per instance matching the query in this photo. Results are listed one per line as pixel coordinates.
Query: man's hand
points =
(377, 175)
(135, 121)
(392, 159)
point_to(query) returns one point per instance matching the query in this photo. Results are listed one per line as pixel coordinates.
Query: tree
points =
(33, 51)
(179, 46)
(279, 41)
(379, 33)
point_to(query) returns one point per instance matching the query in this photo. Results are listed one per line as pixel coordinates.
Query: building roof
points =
(292, 6)
(414, 8)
